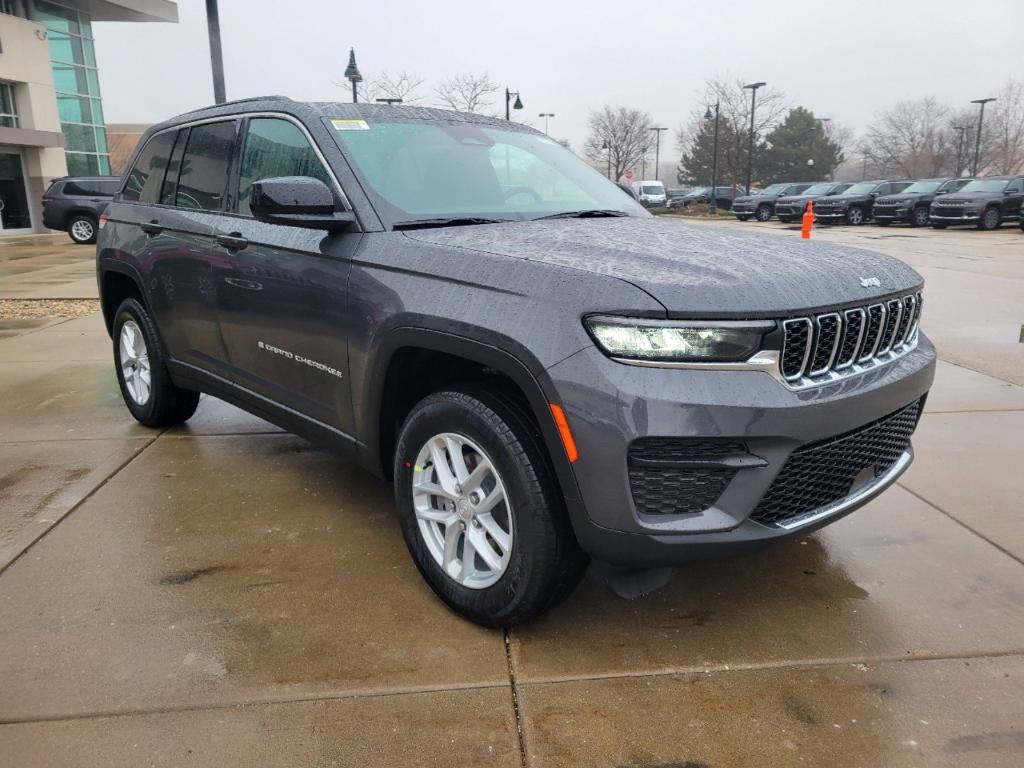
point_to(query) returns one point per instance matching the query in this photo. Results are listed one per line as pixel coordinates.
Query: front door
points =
(283, 298)
(15, 217)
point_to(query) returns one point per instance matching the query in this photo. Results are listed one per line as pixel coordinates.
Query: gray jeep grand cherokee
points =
(544, 370)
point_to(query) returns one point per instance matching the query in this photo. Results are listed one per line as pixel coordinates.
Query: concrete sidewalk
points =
(227, 594)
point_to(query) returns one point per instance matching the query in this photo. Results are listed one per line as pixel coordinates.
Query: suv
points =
(762, 205)
(791, 207)
(855, 205)
(912, 204)
(986, 203)
(75, 205)
(723, 197)
(544, 370)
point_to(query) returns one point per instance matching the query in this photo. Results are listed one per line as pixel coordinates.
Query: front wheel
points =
(141, 368)
(763, 213)
(82, 229)
(480, 510)
(855, 216)
(919, 217)
(989, 219)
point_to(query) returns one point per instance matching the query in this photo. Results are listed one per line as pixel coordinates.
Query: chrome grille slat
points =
(824, 347)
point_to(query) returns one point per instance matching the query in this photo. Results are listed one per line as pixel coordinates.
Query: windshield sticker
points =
(350, 125)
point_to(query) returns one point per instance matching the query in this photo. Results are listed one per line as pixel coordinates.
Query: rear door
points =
(283, 296)
(1013, 197)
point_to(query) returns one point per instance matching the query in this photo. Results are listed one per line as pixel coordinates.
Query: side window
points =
(170, 188)
(203, 176)
(1016, 186)
(108, 187)
(275, 147)
(147, 175)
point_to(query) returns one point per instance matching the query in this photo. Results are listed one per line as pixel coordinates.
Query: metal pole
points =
(216, 57)
(977, 140)
(712, 205)
(657, 152)
(750, 144)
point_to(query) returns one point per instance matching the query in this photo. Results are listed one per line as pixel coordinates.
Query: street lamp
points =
(814, 136)
(712, 208)
(608, 147)
(216, 57)
(657, 151)
(508, 97)
(750, 145)
(352, 74)
(977, 140)
(961, 129)
(546, 115)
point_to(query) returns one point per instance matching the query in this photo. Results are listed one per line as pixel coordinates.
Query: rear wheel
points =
(855, 216)
(141, 368)
(763, 213)
(989, 219)
(919, 216)
(481, 512)
(82, 229)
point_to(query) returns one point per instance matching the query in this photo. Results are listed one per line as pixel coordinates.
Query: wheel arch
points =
(72, 213)
(118, 282)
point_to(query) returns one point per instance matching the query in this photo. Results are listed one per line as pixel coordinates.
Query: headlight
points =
(672, 341)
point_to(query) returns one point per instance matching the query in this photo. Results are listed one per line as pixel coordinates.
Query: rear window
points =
(93, 187)
(203, 177)
(147, 174)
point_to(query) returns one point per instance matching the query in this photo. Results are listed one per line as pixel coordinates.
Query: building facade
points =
(51, 111)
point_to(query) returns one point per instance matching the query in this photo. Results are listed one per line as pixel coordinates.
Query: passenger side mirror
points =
(297, 201)
(942, 192)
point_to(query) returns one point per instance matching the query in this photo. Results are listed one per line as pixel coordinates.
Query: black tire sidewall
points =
(533, 534)
(849, 216)
(763, 214)
(92, 223)
(914, 220)
(983, 221)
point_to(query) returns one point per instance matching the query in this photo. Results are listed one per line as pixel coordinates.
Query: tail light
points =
(49, 199)
(103, 220)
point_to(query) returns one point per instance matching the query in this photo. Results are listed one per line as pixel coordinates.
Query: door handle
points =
(152, 228)
(233, 241)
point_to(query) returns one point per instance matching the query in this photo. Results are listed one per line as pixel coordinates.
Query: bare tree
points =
(619, 136)
(1004, 131)
(467, 93)
(913, 139)
(401, 85)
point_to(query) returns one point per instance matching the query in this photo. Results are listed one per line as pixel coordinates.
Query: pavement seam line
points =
(515, 696)
(975, 370)
(960, 522)
(74, 507)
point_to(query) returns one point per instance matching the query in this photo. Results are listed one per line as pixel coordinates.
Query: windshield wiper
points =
(454, 221)
(588, 214)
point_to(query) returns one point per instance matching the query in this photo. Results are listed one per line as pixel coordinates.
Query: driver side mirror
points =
(297, 201)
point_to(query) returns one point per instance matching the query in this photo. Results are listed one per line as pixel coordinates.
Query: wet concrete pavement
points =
(224, 593)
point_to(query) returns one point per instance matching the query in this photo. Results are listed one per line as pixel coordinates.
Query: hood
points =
(694, 270)
(899, 196)
(753, 198)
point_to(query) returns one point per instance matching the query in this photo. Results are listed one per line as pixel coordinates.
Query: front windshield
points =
(817, 189)
(922, 187)
(985, 185)
(774, 189)
(652, 189)
(862, 188)
(415, 170)
(698, 192)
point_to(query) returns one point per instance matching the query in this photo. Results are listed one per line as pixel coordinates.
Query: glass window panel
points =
(8, 121)
(276, 147)
(86, 24)
(71, 79)
(204, 169)
(94, 82)
(65, 48)
(79, 138)
(88, 53)
(8, 106)
(147, 174)
(97, 112)
(75, 109)
(55, 17)
(82, 165)
(104, 166)
(101, 140)
(170, 188)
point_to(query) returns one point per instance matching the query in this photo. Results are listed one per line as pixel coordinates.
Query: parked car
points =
(515, 364)
(985, 203)
(855, 205)
(790, 208)
(650, 193)
(723, 197)
(75, 203)
(762, 205)
(676, 194)
(911, 206)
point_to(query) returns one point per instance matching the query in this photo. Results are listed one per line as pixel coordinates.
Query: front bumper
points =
(891, 214)
(748, 407)
(963, 217)
(830, 215)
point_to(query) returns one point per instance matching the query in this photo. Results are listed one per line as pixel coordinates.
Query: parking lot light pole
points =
(508, 97)
(352, 74)
(657, 151)
(712, 207)
(216, 56)
(546, 115)
(750, 144)
(977, 140)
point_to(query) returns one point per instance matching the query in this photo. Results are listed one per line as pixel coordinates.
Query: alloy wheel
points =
(855, 216)
(920, 216)
(82, 230)
(135, 370)
(462, 510)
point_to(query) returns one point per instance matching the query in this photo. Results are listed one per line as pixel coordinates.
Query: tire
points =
(763, 213)
(919, 217)
(990, 219)
(542, 562)
(855, 216)
(82, 229)
(138, 351)
(743, 218)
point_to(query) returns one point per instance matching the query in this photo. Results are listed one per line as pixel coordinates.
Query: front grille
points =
(817, 349)
(823, 473)
(678, 490)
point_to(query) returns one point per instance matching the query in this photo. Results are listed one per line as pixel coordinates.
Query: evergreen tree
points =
(798, 138)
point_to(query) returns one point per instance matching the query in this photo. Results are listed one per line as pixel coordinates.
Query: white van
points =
(650, 192)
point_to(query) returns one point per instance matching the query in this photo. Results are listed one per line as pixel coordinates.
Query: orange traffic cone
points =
(808, 221)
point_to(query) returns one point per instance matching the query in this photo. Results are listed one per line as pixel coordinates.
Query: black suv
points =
(856, 204)
(986, 203)
(911, 206)
(790, 208)
(545, 370)
(762, 205)
(723, 198)
(75, 205)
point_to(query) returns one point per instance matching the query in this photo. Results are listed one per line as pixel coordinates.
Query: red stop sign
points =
(628, 174)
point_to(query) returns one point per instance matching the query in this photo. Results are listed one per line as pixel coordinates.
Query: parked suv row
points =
(912, 205)
(985, 203)
(762, 204)
(790, 208)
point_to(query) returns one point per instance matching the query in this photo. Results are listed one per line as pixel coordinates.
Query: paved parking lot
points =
(227, 594)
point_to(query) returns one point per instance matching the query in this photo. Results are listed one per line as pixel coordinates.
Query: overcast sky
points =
(842, 60)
